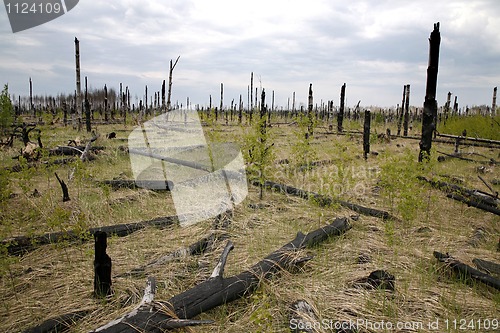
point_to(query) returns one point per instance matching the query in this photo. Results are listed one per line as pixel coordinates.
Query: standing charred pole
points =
(106, 115)
(172, 66)
(146, 100)
(262, 142)
(163, 97)
(221, 98)
(429, 115)
(366, 134)
(78, 84)
(447, 107)
(494, 103)
(87, 109)
(102, 266)
(400, 116)
(340, 115)
(407, 111)
(240, 111)
(32, 107)
(310, 119)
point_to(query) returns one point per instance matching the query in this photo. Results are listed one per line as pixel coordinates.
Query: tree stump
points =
(102, 266)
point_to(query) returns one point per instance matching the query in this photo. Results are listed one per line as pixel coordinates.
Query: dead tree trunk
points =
(78, 84)
(32, 106)
(64, 189)
(146, 101)
(407, 111)
(430, 105)
(106, 114)
(447, 107)
(102, 266)
(366, 134)
(340, 116)
(400, 118)
(163, 97)
(87, 109)
(217, 290)
(172, 66)
(494, 103)
(310, 120)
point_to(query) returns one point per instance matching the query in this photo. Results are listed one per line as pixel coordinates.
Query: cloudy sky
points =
(375, 47)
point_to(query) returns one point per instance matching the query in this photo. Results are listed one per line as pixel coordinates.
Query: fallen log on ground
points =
(201, 246)
(473, 203)
(156, 185)
(466, 138)
(60, 323)
(217, 290)
(73, 151)
(22, 244)
(474, 195)
(460, 156)
(326, 200)
(487, 266)
(467, 271)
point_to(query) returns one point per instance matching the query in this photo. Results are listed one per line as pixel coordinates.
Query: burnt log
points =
(476, 196)
(61, 323)
(21, 244)
(155, 185)
(324, 200)
(72, 151)
(217, 290)
(473, 203)
(487, 266)
(467, 271)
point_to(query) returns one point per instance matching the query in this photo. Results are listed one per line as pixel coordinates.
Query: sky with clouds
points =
(375, 47)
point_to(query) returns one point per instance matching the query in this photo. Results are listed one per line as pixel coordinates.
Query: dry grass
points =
(57, 279)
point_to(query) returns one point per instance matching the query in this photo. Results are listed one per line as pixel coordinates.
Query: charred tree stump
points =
(430, 105)
(64, 188)
(340, 115)
(102, 266)
(366, 134)
(467, 271)
(218, 290)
